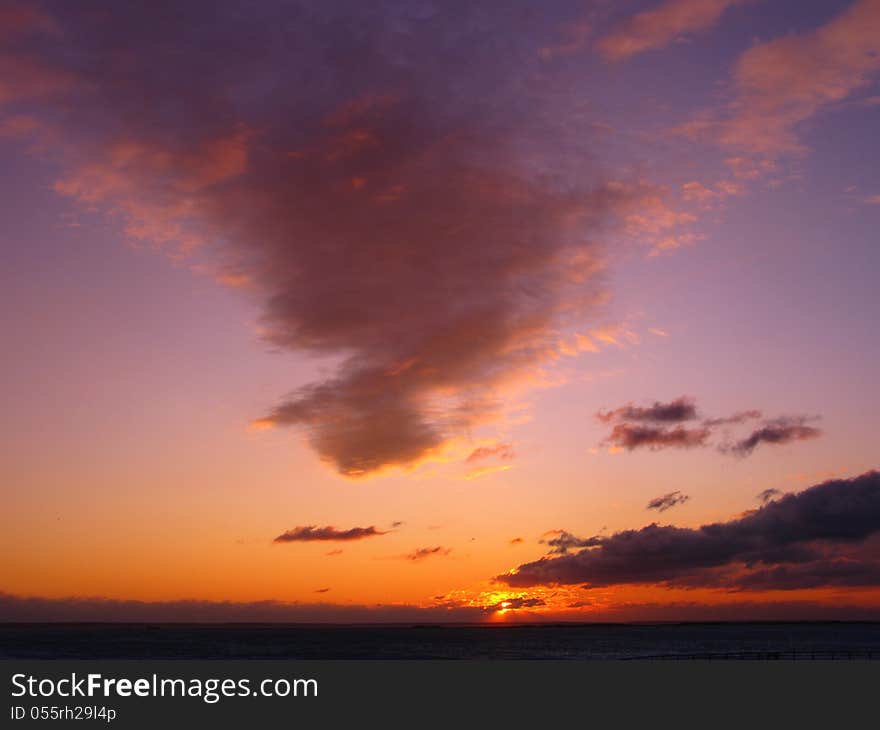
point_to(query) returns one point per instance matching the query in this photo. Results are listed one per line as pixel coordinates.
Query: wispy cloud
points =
(501, 450)
(311, 533)
(561, 542)
(734, 419)
(667, 501)
(668, 22)
(778, 431)
(631, 436)
(483, 471)
(779, 84)
(420, 554)
(768, 495)
(680, 409)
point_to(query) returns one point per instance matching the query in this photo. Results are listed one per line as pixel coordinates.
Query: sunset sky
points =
(464, 311)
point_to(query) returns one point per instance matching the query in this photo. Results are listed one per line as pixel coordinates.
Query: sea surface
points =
(721, 641)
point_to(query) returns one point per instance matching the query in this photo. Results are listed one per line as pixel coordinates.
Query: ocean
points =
(714, 641)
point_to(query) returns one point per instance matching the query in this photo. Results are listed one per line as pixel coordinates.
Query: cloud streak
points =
(680, 409)
(630, 436)
(311, 533)
(667, 501)
(424, 553)
(778, 431)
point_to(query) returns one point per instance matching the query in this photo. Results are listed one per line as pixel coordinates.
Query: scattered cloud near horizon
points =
(96, 609)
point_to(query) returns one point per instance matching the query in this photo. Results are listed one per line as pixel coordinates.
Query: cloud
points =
(644, 427)
(632, 436)
(516, 603)
(96, 609)
(823, 573)
(31, 609)
(426, 552)
(322, 590)
(311, 533)
(468, 243)
(515, 541)
(562, 541)
(778, 431)
(706, 197)
(485, 471)
(575, 37)
(501, 450)
(780, 84)
(820, 536)
(661, 26)
(680, 409)
(735, 419)
(646, 433)
(768, 495)
(667, 501)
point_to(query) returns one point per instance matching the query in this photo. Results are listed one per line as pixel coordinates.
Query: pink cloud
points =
(780, 84)
(661, 26)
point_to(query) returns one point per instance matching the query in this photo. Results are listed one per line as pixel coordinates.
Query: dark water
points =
(592, 641)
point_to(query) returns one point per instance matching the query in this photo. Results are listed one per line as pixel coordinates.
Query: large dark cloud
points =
(816, 537)
(400, 187)
(311, 533)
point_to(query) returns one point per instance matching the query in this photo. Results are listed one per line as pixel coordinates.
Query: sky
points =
(465, 311)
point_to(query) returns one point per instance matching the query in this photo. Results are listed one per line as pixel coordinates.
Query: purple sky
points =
(373, 270)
